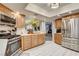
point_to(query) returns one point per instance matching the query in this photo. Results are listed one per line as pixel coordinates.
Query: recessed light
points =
(58, 15)
(12, 13)
(17, 13)
(70, 12)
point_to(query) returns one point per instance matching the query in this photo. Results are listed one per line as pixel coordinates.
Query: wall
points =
(43, 27)
(53, 29)
(5, 10)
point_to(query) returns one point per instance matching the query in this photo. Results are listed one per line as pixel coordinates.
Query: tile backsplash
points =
(21, 31)
(5, 27)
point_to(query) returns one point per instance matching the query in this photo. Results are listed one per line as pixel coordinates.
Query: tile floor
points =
(48, 37)
(49, 49)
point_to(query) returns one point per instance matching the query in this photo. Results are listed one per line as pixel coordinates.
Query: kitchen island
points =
(32, 40)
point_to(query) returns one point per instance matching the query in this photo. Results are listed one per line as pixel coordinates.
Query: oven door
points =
(13, 46)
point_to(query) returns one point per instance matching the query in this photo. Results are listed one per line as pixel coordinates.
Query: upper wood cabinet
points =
(19, 18)
(20, 22)
(58, 23)
(5, 10)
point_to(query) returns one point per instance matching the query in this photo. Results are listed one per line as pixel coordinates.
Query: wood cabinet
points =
(19, 17)
(20, 22)
(41, 39)
(58, 23)
(26, 42)
(5, 10)
(34, 40)
(58, 38)
(30, 41)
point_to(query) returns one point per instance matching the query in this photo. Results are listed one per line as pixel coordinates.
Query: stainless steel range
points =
(9, 41)
(13, 45)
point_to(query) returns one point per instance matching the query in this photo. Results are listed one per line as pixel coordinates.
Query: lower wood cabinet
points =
(26, 42)
(41, 39)
(30, 41)
(58, 38)
(34, 40)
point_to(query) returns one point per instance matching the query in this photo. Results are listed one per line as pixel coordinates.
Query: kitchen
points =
(24, 30)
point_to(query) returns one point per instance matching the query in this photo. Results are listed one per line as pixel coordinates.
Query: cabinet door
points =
(58, 24)
(58, 38)
(41, 38)
(26, 42)
(20, 21)
(34, 40)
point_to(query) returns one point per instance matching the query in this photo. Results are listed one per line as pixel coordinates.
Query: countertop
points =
(58, 33)
(32, 34)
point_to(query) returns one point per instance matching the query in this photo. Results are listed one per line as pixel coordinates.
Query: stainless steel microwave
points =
(6, 19)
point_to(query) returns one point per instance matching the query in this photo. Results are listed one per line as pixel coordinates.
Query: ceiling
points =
(47, 8)
(17, 7)
(21, 7)
(43, 9)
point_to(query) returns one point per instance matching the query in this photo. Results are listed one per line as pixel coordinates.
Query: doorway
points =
(48, 31)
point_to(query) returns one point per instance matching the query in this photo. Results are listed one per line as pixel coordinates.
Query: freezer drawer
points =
(71, 40)
(71, 46)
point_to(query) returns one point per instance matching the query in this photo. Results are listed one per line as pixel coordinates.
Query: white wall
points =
(43, 27)
(53, 29)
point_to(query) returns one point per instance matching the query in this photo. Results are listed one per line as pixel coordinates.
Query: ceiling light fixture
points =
(70, 12)
(54, 5)
(58, 15)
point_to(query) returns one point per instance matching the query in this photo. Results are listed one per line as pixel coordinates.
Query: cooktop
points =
(9, 36)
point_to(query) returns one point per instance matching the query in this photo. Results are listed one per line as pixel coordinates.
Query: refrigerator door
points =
(66, 28)
(72, 27)
(76, 28)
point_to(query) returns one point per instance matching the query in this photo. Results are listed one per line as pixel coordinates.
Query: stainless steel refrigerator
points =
(70, 33)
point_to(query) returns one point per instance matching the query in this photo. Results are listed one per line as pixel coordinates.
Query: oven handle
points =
(13, 41)
(14, 38)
